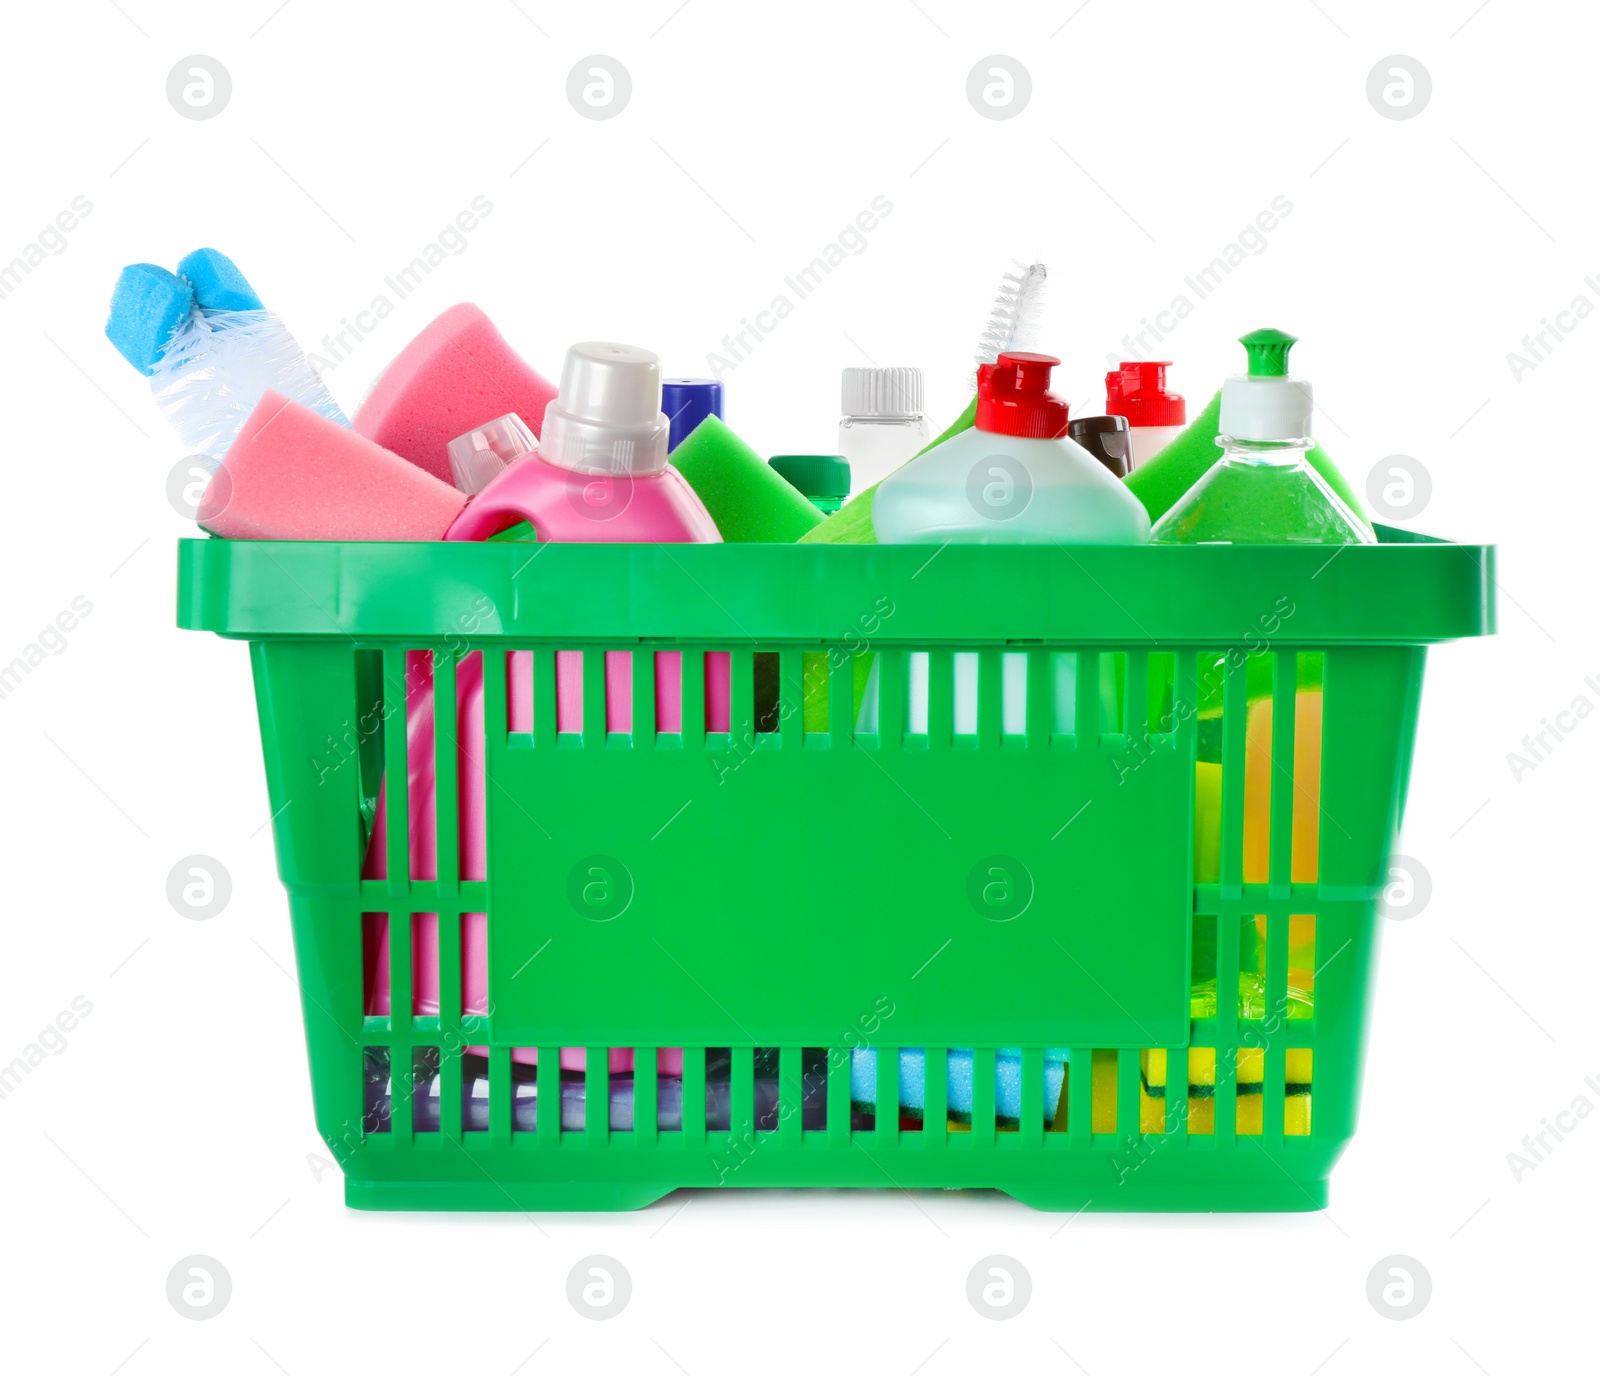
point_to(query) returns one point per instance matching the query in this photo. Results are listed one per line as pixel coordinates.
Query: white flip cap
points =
(1265, 408)
(607, 416)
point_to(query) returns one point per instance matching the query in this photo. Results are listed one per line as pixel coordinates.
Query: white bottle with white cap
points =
(1263, 490)
(883, 422)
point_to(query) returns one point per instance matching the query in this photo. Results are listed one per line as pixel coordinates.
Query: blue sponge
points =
(958, 1082)
(148, 305)
(218, 284)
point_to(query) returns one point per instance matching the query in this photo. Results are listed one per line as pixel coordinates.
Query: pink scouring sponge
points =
(458, 374)
(294, 475)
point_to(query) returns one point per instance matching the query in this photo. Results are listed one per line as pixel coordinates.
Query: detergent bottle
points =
(600, 472)
(1263, 490)
(1155, 416)
(1014, 478)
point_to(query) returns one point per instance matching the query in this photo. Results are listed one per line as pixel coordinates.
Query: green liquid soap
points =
(1261, 494)
(1263, 490)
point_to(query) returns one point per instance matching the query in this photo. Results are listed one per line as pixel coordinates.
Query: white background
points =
(1418, 254)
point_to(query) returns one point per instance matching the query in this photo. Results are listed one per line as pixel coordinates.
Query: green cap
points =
(815, 475)
(1268, 351)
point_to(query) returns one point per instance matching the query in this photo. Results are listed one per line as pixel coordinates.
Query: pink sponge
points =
(294, 475)
(458, 374)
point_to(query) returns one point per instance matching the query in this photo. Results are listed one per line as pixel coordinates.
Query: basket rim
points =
(1409, 589)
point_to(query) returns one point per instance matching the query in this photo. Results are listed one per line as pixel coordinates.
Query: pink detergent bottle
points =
(600, 471)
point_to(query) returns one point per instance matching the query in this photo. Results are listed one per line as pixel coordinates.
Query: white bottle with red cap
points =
(1138, 392)
(1014, 478)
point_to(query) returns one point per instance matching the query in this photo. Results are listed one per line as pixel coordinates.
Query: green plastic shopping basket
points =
(989, 877)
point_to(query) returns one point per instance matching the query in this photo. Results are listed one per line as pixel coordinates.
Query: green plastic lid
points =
(1268, 351)
(816, 475)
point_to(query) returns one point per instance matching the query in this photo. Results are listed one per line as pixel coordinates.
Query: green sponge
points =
(1166, 477)
(748, 500)
(852, 523)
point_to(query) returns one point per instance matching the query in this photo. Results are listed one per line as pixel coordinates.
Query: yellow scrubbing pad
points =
(1261, 778)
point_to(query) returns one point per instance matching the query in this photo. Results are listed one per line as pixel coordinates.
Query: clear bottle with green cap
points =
(1263, 490)
(822, 479)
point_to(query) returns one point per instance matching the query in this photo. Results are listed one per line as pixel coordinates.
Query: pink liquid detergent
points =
(600, 473)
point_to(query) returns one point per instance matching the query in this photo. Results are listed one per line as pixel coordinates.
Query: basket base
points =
(453, 1196)
(1284, 1196)
(1148, 1174)
(1181, 1197)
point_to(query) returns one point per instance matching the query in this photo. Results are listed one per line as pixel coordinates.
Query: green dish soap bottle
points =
(1263, 490)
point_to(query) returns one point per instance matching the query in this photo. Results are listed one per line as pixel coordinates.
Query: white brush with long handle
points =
(1013, 324)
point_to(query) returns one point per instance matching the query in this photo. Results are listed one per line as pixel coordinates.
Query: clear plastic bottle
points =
(1263, 491)
(883, 422)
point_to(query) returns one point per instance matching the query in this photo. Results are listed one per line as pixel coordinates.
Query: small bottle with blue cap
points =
(686, 401)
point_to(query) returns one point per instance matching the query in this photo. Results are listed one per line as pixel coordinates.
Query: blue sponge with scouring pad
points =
(218, 284)
(148, 306)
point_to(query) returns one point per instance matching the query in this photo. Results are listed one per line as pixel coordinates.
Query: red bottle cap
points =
(1013, 398)
(1139, 392)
